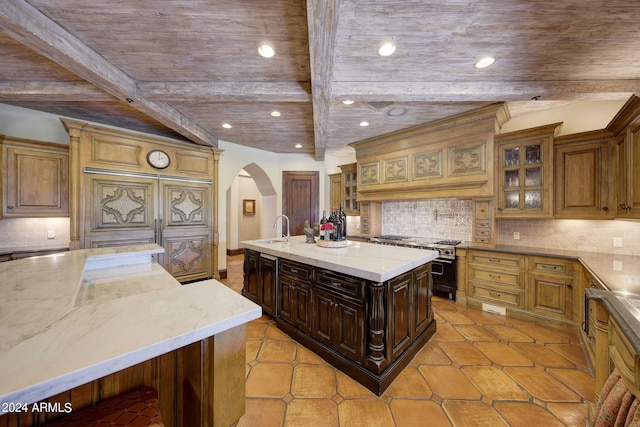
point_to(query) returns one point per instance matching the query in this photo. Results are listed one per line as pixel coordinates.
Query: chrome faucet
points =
(275, 224)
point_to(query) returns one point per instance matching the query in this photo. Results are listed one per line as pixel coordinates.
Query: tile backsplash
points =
(573, 234)
(440, 218)
(19, 232)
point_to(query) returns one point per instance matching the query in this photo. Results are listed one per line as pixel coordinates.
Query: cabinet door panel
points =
(551, 295)
(118, 203)
(286, 289)
(268, 285)
(350, 327)
(301, 316)
(400, 295)
(250, 270)
(36, 181)
(184, 205)
(186, 258)
(323, 316)
(422, 314)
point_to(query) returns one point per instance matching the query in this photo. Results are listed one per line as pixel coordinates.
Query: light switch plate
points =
(51, 234)
(617, 242)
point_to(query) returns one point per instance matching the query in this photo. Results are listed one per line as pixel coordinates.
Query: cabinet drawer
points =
(295, 269)
(483, 210)
(340, 285)
(501, 277)
(483, 225)
(496, 259)
(551, 265)
(501, 296)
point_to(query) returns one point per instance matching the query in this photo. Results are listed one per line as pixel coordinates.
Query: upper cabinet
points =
(350, 189)
(524, 172)
(625, 128)
(35, 178)
(583, 176)
(452, 157)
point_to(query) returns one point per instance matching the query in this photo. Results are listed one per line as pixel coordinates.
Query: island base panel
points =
(377, 383)
(201, 384)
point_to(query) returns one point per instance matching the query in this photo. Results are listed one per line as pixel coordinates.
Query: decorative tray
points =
(331, 243)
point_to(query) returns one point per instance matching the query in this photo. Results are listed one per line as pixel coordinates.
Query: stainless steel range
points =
(443, 268)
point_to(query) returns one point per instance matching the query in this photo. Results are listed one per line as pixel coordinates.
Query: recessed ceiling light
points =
(387, 49)
(226, 126)
(298, 145)
(348, 101)
(275, 113)
(485, 62)
(363, 124)
(266, 51)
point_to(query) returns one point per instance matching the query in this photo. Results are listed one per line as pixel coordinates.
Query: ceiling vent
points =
(379, 105)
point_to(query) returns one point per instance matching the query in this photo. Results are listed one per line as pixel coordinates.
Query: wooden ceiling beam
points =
(484, 91)
(322, 20)
(226, 91)
(22, 22)
(48, 91)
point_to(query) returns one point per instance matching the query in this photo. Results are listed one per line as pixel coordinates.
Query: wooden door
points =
(300, 199)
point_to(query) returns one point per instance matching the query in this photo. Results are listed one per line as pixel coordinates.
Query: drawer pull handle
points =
(494, 276)
(550, 267)
(294, 270)
(494, 260)
(337, 285)
(494, 294)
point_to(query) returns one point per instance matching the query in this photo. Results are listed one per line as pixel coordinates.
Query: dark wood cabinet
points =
(339, 313)
(260, 280)
(369, 330)
(294, 294)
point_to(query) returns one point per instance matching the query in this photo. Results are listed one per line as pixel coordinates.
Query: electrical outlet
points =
(617, 265)
(617, 242)
(51, 234)
(516, 235)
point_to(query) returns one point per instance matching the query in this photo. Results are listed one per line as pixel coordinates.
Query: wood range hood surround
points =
(452, 157)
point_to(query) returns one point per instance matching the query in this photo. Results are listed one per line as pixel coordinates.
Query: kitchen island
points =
(83, 326)
(365, 308)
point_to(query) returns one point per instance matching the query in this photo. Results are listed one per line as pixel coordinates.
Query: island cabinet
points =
(260, 280)
(35, 178)
(294, 294)
(367, 321)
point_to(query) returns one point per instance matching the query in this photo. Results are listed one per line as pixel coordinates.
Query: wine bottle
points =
(323, 221)
(332, 220)
(343, 221)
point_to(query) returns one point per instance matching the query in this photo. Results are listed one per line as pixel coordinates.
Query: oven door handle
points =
(442, 260)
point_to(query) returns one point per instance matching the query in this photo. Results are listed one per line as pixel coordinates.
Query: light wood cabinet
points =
(350, 189)
(335, 191)
(35, 178)
(550, 287)
(483, 225)
(370, 219)
(582, 170)
(119, 198)
(627, 155)
(524, 172)
(538, 288)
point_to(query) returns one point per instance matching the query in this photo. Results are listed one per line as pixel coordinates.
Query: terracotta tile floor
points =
(479, 369)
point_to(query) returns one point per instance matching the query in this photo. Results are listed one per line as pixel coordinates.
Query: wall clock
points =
(158, 159)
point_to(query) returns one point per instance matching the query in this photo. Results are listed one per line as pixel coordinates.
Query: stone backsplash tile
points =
(17, 232)
(580, 235)
(441, 218)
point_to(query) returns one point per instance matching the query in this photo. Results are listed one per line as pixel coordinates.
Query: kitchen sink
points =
(270, 241)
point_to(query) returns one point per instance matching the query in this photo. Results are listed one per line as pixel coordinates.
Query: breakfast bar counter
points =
(82, 326)
(365, 308)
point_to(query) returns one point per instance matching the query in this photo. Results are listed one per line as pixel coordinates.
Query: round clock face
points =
(158, 159)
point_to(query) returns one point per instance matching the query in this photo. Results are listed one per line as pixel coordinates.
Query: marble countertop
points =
(73, 317)
(368, 261)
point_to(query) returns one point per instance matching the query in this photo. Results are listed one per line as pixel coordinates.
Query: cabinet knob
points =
(605, 208)
(625, 207)
(9, 207)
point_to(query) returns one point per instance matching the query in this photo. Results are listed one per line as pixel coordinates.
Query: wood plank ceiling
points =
(182, 68)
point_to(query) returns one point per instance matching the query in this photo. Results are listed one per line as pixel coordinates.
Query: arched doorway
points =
(251, 184)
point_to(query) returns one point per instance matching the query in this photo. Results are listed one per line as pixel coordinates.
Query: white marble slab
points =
(360, 259)
(62, 326)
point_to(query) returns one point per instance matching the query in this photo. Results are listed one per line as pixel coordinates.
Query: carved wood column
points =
(75, 188)
(376, 356)
(215, 238)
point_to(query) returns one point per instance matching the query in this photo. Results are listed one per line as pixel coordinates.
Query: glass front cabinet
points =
(524, 172)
